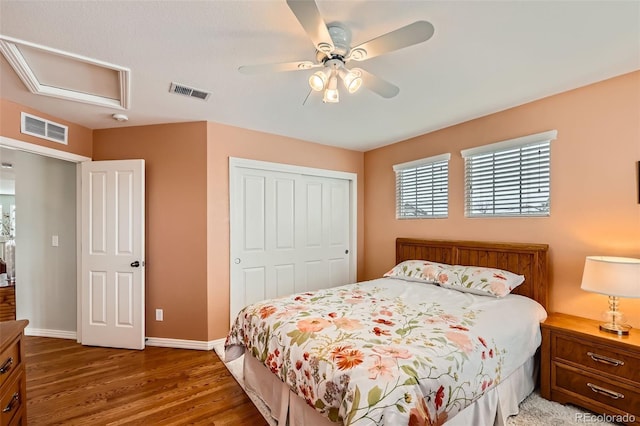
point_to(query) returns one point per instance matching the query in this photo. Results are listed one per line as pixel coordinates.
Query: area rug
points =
(534, 410)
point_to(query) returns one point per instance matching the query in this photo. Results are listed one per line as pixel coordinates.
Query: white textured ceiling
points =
(485, 56)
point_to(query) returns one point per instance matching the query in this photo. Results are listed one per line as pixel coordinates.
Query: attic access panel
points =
(51, 72)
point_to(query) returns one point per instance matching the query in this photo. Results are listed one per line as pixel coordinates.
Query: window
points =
(509, 178)
(422, 188)
(8, 222)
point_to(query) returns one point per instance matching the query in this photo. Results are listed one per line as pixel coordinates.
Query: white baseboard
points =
(58, 334)
(150, 341)
(180, 343)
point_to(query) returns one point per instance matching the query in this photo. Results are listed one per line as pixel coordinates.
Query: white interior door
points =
(290, 232)
(112, 250)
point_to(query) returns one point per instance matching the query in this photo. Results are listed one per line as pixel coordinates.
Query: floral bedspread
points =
(389, 351)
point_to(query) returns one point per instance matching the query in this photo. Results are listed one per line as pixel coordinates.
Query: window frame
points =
(517, 147)
(431, 162)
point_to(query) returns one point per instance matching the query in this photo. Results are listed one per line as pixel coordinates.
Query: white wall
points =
(45, 275)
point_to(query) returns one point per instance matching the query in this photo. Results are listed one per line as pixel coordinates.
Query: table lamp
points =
(614, 277)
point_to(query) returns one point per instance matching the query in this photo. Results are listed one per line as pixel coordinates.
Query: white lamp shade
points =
(352, 80)
(612, 276)
(318, 80)
(331, 94)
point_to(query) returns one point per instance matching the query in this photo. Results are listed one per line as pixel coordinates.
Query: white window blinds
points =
(509, 178)
(422, 188)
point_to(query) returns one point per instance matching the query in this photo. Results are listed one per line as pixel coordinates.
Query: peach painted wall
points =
(224, 142)
(176, 219)
(79, 138)
(594, 202)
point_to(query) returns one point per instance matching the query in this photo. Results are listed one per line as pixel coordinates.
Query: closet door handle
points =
(135, 264)
(6, 366)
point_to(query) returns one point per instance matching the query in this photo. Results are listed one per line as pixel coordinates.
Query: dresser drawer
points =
(9, 361)
(11, 399)
(19, 420)
(616, 395)
(597, 357)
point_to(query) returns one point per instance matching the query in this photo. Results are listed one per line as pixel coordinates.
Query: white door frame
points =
(235, 163)
(74, 158)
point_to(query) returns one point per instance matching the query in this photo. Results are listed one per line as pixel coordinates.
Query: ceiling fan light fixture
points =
(352, 79)
(331, 94)
(318, 80)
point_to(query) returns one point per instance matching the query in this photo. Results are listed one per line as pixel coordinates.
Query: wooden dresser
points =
(13, 380)
(8, 303)
(590, 368)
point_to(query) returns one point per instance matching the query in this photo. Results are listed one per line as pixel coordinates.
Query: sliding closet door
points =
(290, 233)
(323, 233)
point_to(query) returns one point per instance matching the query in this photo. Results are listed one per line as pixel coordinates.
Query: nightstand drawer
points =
(597, 357)
(11, 400)
(615, 395)
(9, 361)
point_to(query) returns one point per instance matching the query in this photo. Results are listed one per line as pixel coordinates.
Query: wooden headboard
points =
(529, 260)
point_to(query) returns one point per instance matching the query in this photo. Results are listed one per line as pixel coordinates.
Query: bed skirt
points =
(493, 408)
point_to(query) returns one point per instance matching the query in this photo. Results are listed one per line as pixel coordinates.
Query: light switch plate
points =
(54, 241)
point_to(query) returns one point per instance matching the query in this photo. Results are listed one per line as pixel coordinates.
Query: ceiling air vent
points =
(181, 89)
(41, 128)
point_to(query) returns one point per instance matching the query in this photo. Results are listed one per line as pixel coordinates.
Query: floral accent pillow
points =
(479, 280)
(417, 270)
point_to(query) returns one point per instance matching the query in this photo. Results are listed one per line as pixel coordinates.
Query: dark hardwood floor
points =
(71, 384)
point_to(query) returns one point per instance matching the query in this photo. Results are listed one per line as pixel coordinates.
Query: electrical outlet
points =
(54, 241)
(159, 315)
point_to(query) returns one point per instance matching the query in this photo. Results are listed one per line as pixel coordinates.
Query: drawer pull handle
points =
(605, 359)
(6, 366)
(604, 391)
(15, 400)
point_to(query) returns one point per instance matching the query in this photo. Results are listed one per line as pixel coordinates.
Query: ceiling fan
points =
(334, 52)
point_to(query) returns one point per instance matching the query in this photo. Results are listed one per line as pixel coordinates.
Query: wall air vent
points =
(181, 89)
(41, 128)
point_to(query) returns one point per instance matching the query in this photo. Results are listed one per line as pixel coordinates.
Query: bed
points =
(398, 349)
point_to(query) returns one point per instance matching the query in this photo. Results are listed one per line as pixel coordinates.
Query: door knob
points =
(135, 264)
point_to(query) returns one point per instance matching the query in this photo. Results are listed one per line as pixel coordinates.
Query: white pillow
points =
(416, 270)
(479, 280)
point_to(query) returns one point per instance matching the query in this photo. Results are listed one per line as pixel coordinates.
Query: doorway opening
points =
(41, 232)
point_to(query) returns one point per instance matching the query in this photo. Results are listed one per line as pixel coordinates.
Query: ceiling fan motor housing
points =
(341, 38)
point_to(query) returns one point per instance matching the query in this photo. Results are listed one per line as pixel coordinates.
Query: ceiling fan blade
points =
(406, 36)
(378, 85)
(285, 66)
(309, 17)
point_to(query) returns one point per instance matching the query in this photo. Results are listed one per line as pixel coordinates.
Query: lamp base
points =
(619, 329)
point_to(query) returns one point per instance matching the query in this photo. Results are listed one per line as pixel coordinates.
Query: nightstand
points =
(589, 368)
